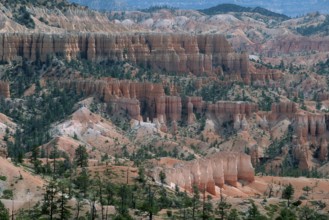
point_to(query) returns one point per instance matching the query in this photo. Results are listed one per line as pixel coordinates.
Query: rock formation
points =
(4, 89)
(312, 125)
(323, 154)
(148, 100)
(217, 170)
(310, 130)
(232, 108)
(286, 109)
(137, 99)
(288, 45)
(226, 111)
(181, 53)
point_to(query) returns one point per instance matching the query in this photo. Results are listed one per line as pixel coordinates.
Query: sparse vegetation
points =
(322, 28)
(23, 17)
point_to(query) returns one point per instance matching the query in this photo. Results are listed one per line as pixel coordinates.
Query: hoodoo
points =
(217, 170)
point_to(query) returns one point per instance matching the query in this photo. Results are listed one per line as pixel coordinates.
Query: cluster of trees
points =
(322, 28)
(213, 92)
(92, 197)
(323, 67)
(23, 17)
(103, 69)
(35, 116)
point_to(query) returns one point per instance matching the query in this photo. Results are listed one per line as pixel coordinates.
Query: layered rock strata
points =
(217, 170)
(286, 109)
(181, 53)
(137, 99)
(4, 89)
(310, 127)
(148, 100)
(229, 111)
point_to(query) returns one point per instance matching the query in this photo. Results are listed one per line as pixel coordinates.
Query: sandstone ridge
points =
(217, 170)
(143, 100)
(180, 53)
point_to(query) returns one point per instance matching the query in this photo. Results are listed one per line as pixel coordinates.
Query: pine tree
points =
(288, 193)
(64, 209)
(49, 205)
(4, 214)
(162, 176)
(81, 156)
(82, 181)
(287, 214)
(222, 207)
(207, 208)
(195, 201)
(307, 189)
(150, 204)
(234, 215)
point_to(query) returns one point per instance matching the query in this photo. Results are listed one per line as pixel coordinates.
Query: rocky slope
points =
(91, 130)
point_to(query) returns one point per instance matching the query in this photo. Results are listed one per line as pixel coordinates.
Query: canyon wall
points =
(217, 170)
(142, 100)
(180, 53)
(145, 101)
(309, 132)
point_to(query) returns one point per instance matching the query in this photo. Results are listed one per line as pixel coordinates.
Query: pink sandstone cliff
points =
(181, 53)
(217, 170)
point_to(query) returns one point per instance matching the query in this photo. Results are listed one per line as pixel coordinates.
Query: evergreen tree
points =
(141, 174)
(288, 193)
(49, 204)
(234, 215)
(150, 203)
(307, 189)
(123, 203)
(306, 213)
(287, 214)
(254, 214)
(64, 209)
(162, 176)
(82, 181)
(195, 201)
(208, 208)
(222, 208)
(4, 214)
(81, 156)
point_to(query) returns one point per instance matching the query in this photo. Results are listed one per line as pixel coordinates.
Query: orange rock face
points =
(283, 109)
(4, 89)
(238, 112)
(137, 99)
(310, 125)
(310, 130)
(217, 170)
(181, 53)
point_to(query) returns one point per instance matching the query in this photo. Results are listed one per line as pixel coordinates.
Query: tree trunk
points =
(78, 210)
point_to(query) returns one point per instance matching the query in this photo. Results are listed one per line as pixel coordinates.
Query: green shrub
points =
(7, 194)
(23, 17)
